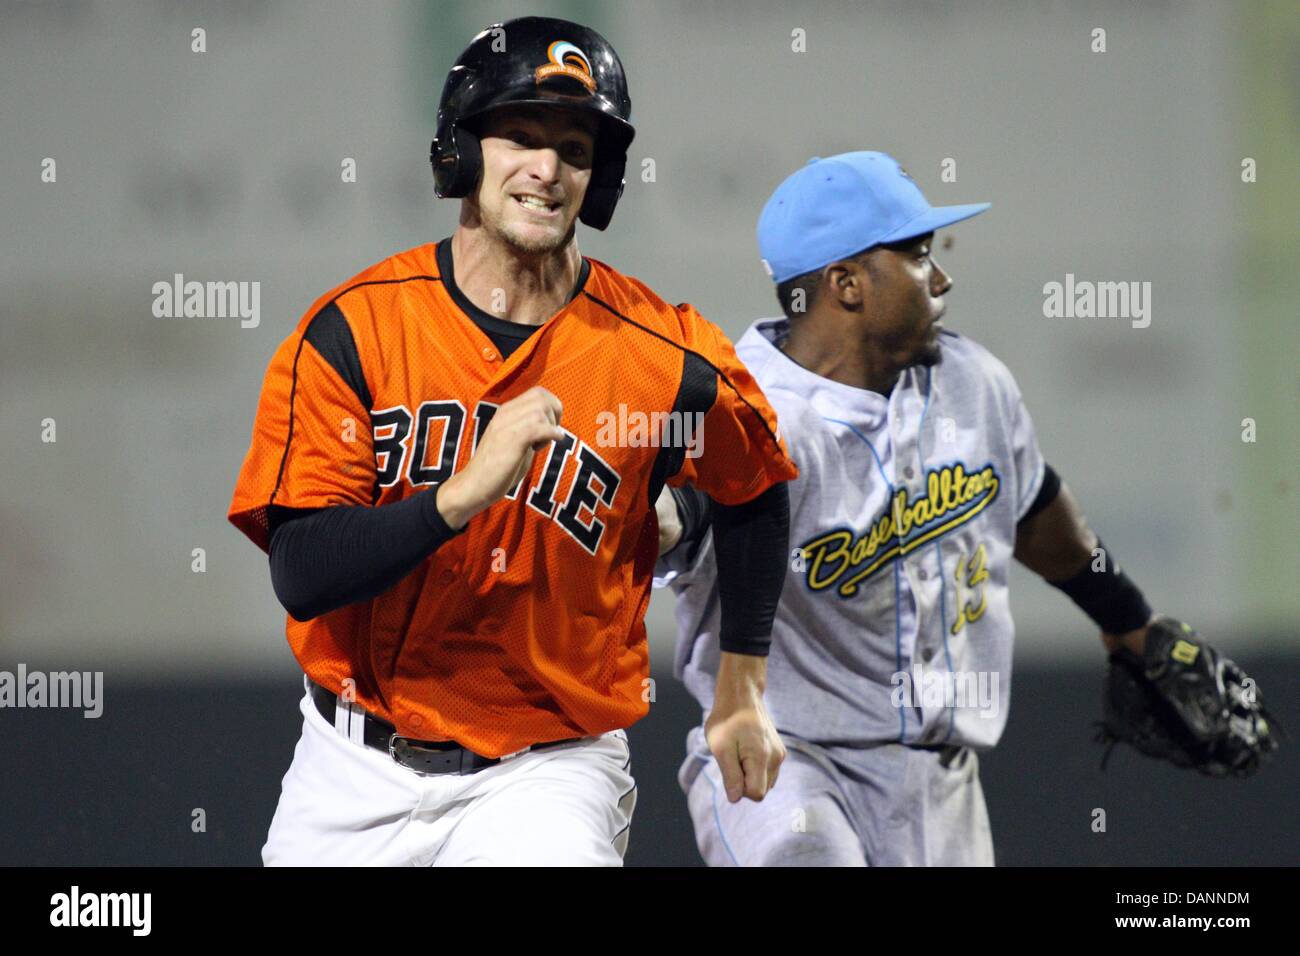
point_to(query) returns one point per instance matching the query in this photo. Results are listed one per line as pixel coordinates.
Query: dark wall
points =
(120, 790)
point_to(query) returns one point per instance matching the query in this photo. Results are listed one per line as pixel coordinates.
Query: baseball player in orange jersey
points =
(454, 470)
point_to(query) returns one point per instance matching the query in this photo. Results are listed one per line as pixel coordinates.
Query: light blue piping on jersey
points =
(717, 818)
(943, 620)
(938, 552)
(898, 640)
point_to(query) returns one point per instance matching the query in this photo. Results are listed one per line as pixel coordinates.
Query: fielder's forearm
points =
(1057, 544)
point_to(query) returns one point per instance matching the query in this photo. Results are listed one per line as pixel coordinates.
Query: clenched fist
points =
(519, 429)
(740, 733)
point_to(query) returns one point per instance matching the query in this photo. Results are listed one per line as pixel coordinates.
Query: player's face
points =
(536, 167)
(907, 287)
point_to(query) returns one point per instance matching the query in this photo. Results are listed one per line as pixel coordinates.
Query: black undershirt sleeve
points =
(750, 544)
(326, 558)
(1047, 492)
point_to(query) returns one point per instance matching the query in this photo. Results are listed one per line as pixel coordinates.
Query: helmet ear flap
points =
(457, 160)
(603, 192)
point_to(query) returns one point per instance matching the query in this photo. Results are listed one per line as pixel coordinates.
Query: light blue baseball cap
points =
(837, 207)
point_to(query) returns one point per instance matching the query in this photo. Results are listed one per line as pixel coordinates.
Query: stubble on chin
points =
(517, 241)
(534, 246)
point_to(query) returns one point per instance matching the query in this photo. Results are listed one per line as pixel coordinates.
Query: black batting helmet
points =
(536, 60)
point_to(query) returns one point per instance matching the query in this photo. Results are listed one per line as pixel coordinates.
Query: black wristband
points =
(1107, 596)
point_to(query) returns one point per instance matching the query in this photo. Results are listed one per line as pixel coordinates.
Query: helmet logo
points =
(566, 60)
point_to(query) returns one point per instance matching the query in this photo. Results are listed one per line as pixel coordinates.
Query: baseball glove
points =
(1184, 702)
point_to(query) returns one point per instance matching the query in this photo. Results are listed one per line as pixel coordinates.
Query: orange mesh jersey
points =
(529, 626)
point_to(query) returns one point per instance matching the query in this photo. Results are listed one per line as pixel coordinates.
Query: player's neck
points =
(826, 355)
(527, 289)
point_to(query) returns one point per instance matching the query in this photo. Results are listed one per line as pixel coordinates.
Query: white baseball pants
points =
(345, 804)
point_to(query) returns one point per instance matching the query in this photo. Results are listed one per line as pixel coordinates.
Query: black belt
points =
(421, 756)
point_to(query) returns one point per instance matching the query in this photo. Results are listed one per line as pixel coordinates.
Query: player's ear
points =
(843, 281)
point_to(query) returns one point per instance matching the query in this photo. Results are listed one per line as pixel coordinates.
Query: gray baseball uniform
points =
(891, 649)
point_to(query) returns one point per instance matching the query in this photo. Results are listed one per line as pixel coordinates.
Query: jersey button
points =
(447, 577)
(908, 472)
(489, 354)
(416, 720)
(927, 654)
(922, 574)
